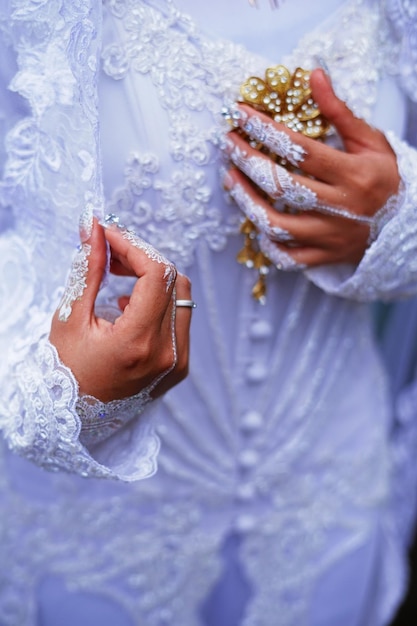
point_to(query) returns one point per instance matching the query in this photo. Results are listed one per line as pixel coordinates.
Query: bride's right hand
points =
(150, 339)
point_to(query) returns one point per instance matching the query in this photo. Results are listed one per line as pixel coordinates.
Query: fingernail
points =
(323, 65)
(85, 223)
(219, 138)
(226, 178)
(227, 145)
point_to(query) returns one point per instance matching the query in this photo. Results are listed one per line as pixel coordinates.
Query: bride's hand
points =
(150, 339)
(332, 202)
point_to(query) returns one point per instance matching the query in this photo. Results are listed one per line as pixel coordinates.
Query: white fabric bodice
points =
(280, 432)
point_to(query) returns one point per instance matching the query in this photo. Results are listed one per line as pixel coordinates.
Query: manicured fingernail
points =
(86, 223)
(323, 65)
(226, 178)
(228, 145)
(219, 138)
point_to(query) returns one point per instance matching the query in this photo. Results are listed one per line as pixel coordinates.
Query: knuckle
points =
(183, 282)
(166, 359)
(148, 359)
(163, 271)
(139, 353)
(182, 367)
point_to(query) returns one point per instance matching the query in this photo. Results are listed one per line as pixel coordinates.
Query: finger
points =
(183, 319)
(313, 257)
(305, 229)
(293, 190)
(118, 268)
(123, 301)
(85, 276)
(356, 134)
(182, 337)
(151, 294)
(314, 157)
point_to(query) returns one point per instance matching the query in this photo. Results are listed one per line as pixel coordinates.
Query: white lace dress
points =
(281, 495)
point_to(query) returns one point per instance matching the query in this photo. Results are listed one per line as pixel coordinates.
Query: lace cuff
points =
(388, 269)
(100, 420)
(40, 421)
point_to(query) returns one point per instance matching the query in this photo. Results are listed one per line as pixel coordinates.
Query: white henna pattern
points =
(268, 235)
(275, 140)
(76, 282)
(152, 254)
(282, 260)
(86, 223)
(257, 214)
(274, 180)
(278, 183)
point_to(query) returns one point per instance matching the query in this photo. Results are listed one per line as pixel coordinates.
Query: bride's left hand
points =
(333, 199)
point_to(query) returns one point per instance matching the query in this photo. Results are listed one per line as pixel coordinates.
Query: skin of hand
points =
(359, 180)
(114, 361)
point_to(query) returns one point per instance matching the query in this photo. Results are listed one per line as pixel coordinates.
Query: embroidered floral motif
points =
(76, 283)
(183, 214)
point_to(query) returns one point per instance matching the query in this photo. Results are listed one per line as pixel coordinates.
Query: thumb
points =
(85, 276)
(355, 132)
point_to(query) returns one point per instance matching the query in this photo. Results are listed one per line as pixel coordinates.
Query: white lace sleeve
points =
(388, 269)
(43, 419)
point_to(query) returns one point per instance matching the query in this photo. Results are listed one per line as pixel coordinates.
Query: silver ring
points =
(186, 303)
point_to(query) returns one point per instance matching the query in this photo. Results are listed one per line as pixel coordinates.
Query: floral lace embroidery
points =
(101, 420)
(76, 282)
(181, 216)
(42, 422)
(49, 179)
(355, 69)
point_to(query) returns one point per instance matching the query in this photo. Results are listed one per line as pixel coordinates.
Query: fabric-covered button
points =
(251, 421)
(248, 458)
(256, 373)
(260, 329)
(245, 523)
(245, 492)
